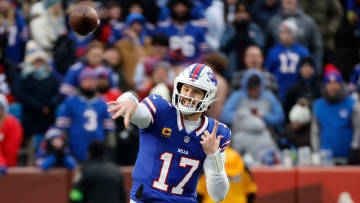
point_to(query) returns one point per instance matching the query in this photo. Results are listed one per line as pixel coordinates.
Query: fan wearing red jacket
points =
(11, 135)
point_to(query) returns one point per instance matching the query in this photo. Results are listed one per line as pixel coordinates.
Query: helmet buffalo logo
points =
(212, 77)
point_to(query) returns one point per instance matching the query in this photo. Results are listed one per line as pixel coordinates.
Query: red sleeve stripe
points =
(151, 104)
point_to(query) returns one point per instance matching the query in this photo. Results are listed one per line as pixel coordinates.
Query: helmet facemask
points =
(195, 105)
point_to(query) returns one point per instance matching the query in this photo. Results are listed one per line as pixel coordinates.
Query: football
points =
(84, 19)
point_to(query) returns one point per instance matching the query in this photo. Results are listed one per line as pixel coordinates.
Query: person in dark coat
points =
(308, 85)
(101, 180)
(36, 89)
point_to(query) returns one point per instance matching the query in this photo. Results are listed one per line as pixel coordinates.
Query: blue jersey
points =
(71, 81)
(189, 38)
(86, 121)
(284, 63)
(170, 160)
(81, 43)
(17, 36)
(117, 29)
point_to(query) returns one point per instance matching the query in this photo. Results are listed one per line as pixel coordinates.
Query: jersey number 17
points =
(160, 183)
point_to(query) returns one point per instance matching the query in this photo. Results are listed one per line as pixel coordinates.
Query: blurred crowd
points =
(284, 83)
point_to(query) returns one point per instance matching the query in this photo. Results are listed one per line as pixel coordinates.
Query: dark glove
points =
(354, 157)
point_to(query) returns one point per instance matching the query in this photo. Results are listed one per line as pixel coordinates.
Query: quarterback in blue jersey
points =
(177, 140)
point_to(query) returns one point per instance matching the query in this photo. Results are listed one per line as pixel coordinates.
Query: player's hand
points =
(210, 142)
(122, 108)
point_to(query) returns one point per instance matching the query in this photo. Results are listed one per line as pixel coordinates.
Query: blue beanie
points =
(135, 17)
(333, 77)
(88, 73)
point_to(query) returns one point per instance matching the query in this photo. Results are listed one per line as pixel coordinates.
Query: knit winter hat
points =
(331, 74)
(88, 73)
(34, 51)
(53, 132)
(135, 17)
(333, 77)
(290, 25)
(330, 68)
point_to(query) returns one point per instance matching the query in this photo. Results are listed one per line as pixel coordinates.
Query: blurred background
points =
(288, 87)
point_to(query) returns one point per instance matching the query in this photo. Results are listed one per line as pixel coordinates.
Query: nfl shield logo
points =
(186, 139)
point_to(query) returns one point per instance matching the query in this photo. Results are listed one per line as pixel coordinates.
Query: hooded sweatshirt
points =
(266, 103)
(250, 132)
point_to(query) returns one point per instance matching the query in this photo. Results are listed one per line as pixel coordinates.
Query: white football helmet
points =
(200, 76)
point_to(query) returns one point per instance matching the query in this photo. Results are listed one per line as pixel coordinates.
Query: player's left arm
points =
(217, 182)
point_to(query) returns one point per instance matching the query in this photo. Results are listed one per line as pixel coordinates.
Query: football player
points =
(177, 140)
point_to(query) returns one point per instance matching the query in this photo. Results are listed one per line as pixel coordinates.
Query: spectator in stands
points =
(84, 116)
(196, 13)
(159, 51)
(94, 59)
(254, 59)
(215, 17)
(218, 63)
(112, 59)
(242, 185)
(159, 77)
(53, 152)
(252, 112)
(308, 85)
(149, 13)
(11, 135)
(328, 16)
(242, 33)
(8, 71)
(113, 27)
(187, 41)
(36, 89)
(134, 45)
(297, 131)
(13, 31)
(263, 10)
(307, 34)
(48, 26)
(284, 58)
(220, 13)
(100, 180)
(336, 121)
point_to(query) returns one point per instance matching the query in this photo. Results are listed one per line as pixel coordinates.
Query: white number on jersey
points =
(91, 116)
(160, 183)
(185, 43)
(288, 62)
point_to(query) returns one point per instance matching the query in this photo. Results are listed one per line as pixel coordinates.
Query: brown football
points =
(84, 19)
